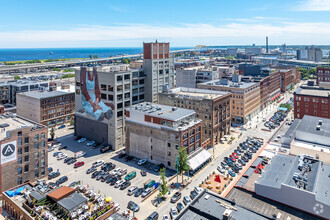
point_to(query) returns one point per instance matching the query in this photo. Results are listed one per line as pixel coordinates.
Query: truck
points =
(79, 154)
(149, 183)
(130, 176)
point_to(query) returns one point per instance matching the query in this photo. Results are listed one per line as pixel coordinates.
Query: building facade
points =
(286, 79)
(158, 65)
(212, 107)
(50, 108)
(310, 54)
(322, 74)
(312, 100)
(156, 132)
(245, 100)
(186, 77)
(23, 151)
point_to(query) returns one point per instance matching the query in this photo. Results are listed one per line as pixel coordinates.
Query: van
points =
(149, 183)
(153, 216)
(130, 176)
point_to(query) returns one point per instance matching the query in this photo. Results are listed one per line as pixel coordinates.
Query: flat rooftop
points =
(39, 94)
(313, 91)
(209, 206)
(229, 84)
(192, 93)
(27, 82)
(161, 111)
(266, 206)
(10, 121)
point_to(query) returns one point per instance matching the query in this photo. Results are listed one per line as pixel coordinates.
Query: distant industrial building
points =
(156, 132)
(210, 206)
(212, 107)
(245, 100)
(249, 69)
(310, 99)
(300, 182)
(310, 54)
(158, 66)
(253, 50)
(23, 151)
(49, 108)
(309, 135)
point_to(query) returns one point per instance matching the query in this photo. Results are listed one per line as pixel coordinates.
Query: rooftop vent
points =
(320, 122)
(174, 108)
(226, 214)
(318, 127)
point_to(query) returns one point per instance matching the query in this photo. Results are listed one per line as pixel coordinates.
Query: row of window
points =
(36, 175)
(324, 101)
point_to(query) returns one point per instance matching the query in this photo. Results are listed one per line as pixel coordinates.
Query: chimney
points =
(266, 44)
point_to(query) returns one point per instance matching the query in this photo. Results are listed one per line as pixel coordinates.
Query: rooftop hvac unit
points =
(320, 122)
(318, 127)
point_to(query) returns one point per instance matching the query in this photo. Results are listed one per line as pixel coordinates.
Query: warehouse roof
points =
(61, 193)
(72, 202)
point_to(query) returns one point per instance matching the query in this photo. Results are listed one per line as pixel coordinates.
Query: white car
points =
(198, 189)
(221, 170)
(118, 183)
(173, 212)
(50, 149)
(98, 163)
(165, 217)
(90, 143)
(82, 140)
(61, 156)
(116, 171)
(141, 162)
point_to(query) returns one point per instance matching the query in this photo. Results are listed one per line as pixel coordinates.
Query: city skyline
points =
(38, 24)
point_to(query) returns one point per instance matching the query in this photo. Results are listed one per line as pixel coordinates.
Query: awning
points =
(199, 159)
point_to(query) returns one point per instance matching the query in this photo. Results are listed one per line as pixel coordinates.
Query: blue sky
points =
(108, 23)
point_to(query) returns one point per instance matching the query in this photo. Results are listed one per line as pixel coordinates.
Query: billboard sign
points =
(8, 152)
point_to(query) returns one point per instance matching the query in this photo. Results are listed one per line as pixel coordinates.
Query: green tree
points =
(95, 56)
(163, 184)
(90, 56)
(17, 77)
(312, 71)
(52, 133)
(72, 122)
(182, 164)
(303, 73)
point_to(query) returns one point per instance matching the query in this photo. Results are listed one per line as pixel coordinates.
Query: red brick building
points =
(312, 100)
(287, 78)
(322, 74)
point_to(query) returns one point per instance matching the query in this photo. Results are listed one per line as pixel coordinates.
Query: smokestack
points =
(266, 44)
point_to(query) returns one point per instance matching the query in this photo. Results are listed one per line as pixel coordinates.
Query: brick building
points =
(287, 79)
(212, 107)
(312, 100)
(269, 88)
(23, 151)
(49, 108)
(322, 74)
(156, 132)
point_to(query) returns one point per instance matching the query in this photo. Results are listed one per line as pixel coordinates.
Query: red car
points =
(235, 155)
(76, 138)
(79, 164)
(232, 158)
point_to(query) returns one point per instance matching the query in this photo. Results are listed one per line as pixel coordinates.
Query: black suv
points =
(61, 180)
(53, 175)
(105, 149)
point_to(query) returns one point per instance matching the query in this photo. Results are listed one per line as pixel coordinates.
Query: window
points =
(127, 76)
(26, 168)
(169, 163)
(42, 161)
(169, 153)
(103, 87)
(119, 78)
(103, 96)
(42, 153)
(19, 141)
(151, 147)
(26, 158)
(36, 137)
(26, 140)
(36, 145)
(19, 151)
(19, 170)
(19, 180)
(36, 173)
(110, 88)
(36, 155)
(177, 147)
(110, 97)
(26, 149)
(36, 164)
(42, 144)
(169, 144)
(19, 133)
(42, 171)
(19, 160)
(42, 135)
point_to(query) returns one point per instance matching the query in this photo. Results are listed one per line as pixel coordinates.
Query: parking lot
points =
(92, 155)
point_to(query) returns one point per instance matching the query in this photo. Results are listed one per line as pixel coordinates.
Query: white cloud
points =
(236, 33)
(313, 5)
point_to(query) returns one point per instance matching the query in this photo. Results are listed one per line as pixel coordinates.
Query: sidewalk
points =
(219, 149)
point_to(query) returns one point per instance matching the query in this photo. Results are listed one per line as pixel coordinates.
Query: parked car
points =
(50, 169)
(175, 197)
(124, 185)
(122, 155)
(50, 149)
(186, 200)
(132, 190)
(53, 175)
(90, 143)
(61, 156)
(198, 189)
(122, 172)
(82, 140)
(141, 162)
(62, 147)
(231, 173)
(224, 165)
(238, 165)
(114, 180)
(153, 216)
(146, 192)
(118, 183)
(105, 149)
(193, 194)
(55, 154)
(61, 127)
(73, 184)
(79, 164)
(61, 180)
(133, 206)
(98, 163)
(173, 213)
(241, 161)
(95, 174)
(91, 170)
(138, 192)
(179, 206)
(143, 173)
(71, 161)
(76, 138)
